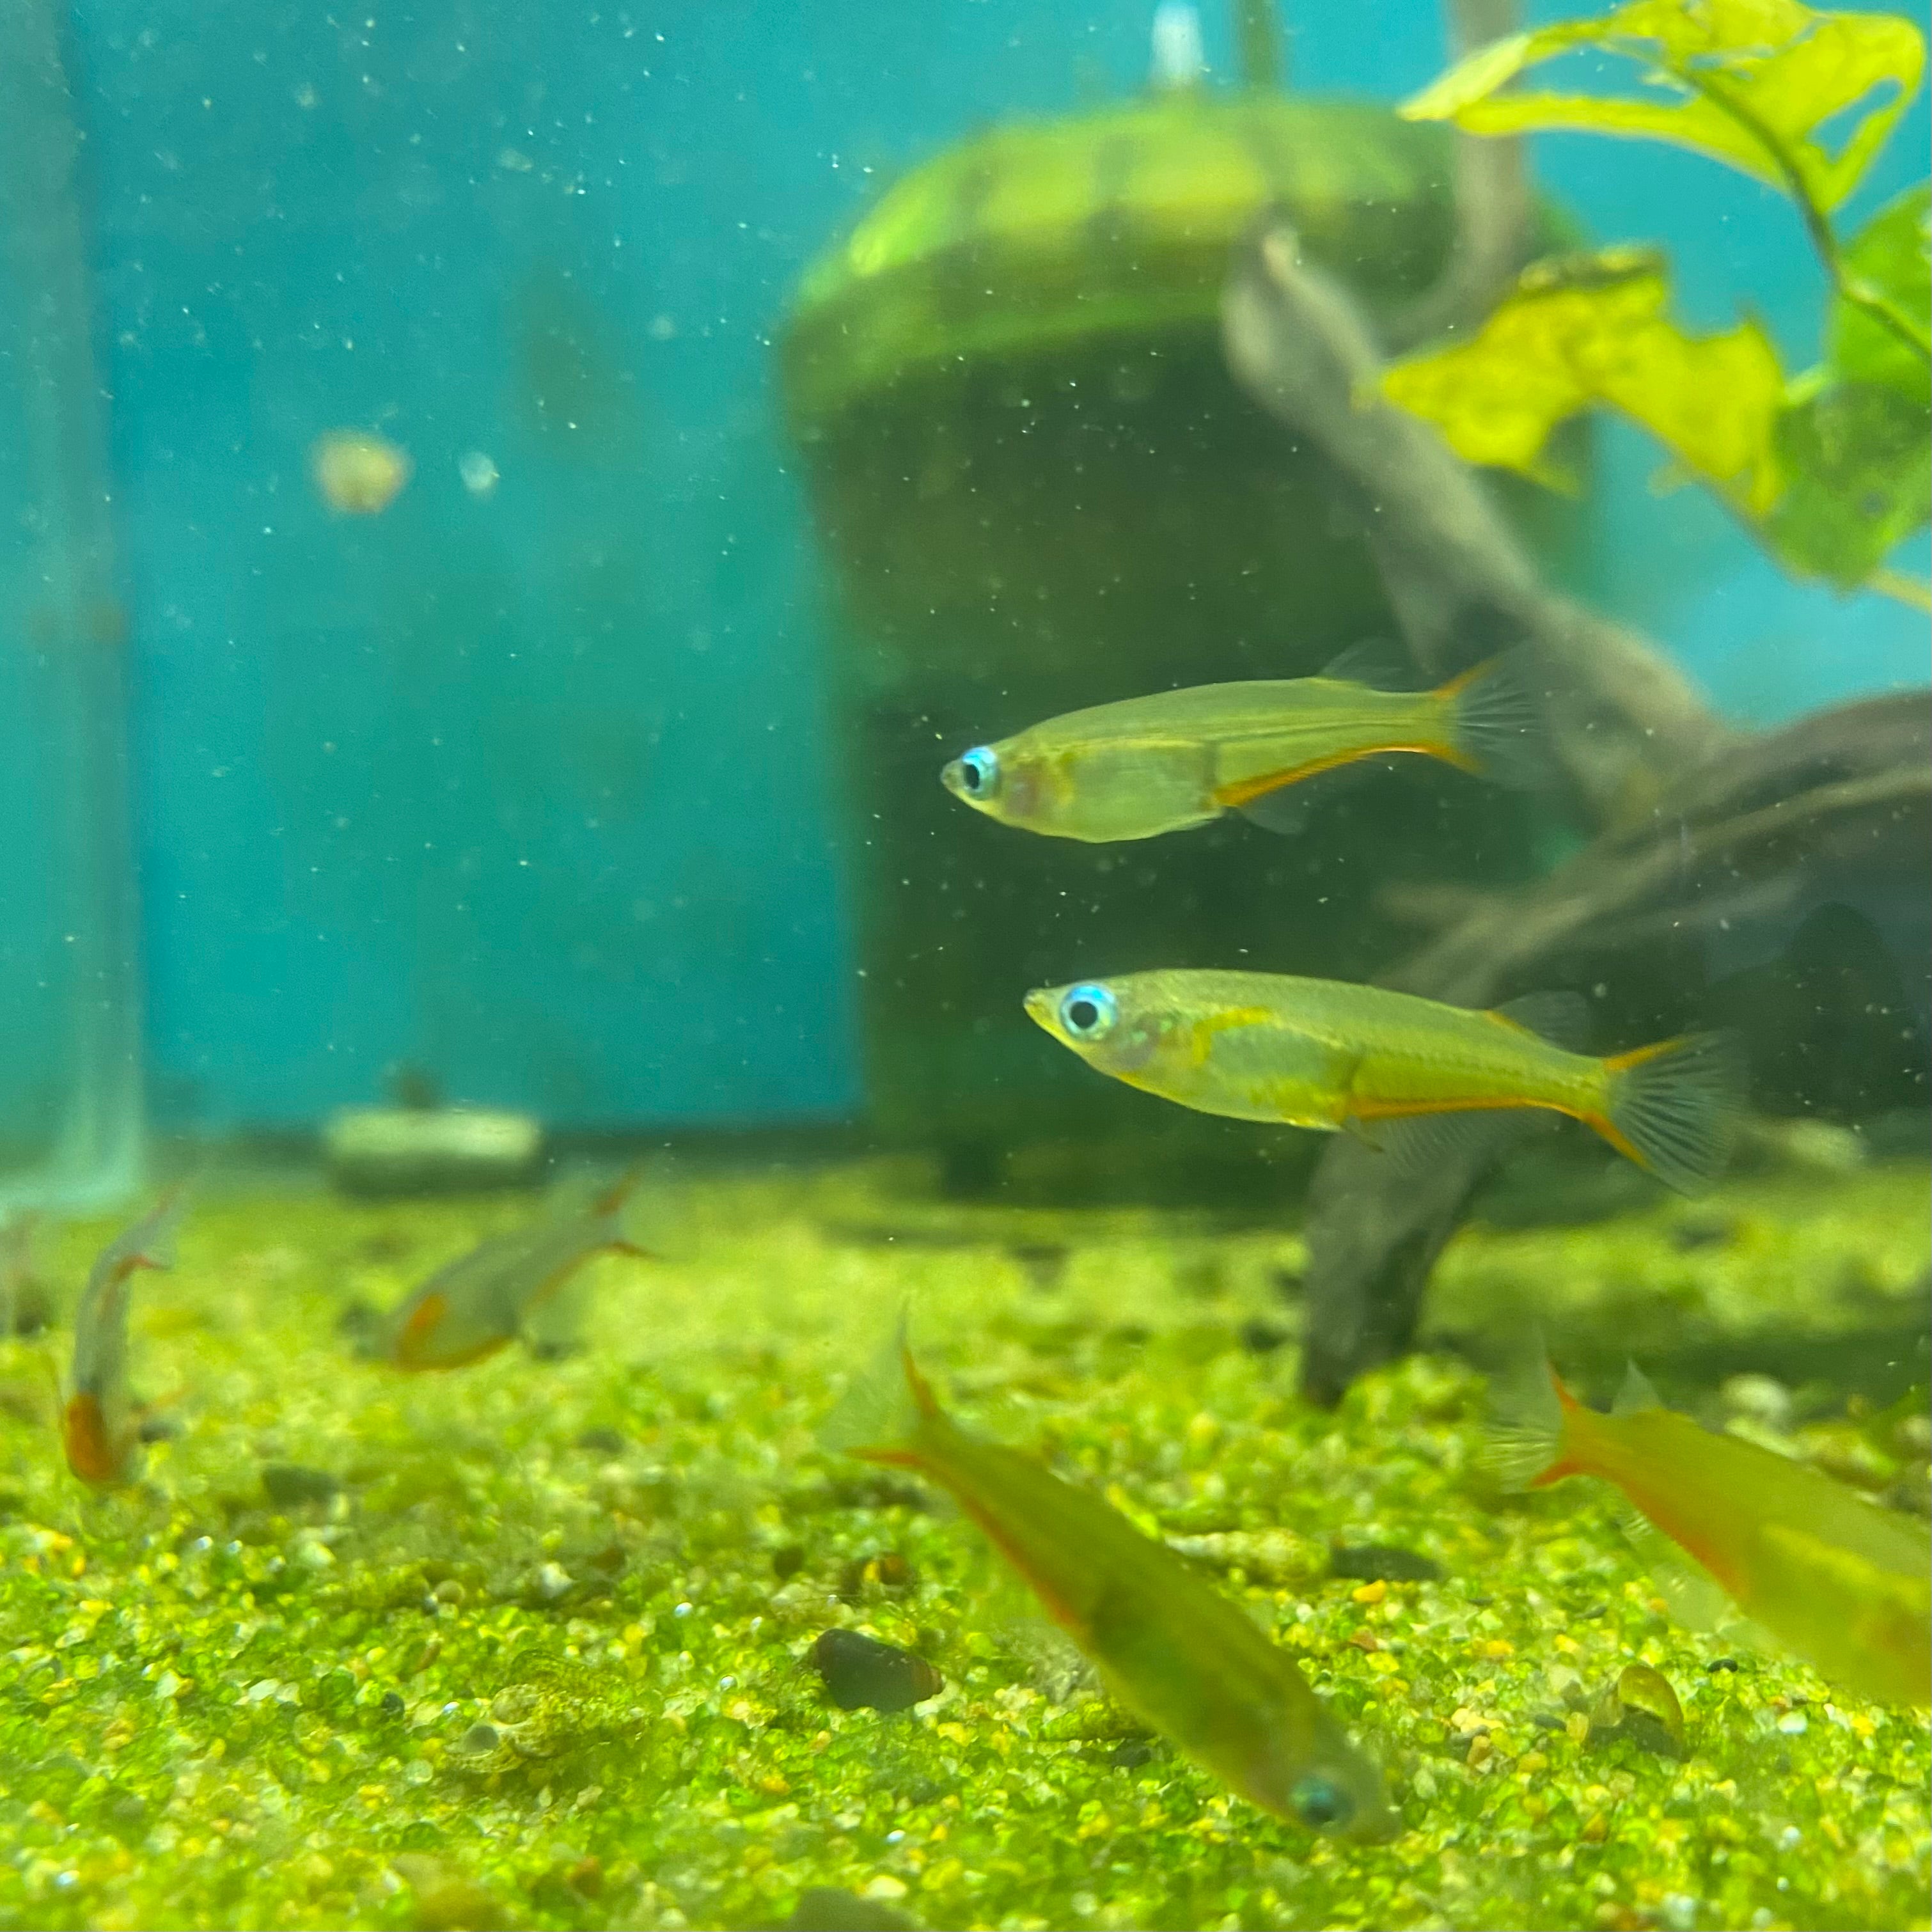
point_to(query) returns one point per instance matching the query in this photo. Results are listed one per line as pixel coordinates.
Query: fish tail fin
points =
(882, 1416)
(1494, 721)
(1675, 1108)
(1532, 1440)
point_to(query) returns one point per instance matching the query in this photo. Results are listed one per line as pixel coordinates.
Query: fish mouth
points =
(952, 776)
(1039, 1006)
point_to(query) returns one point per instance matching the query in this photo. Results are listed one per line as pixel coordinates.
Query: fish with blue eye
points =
(1145, 766)
(1169, 1646)
(1406, 1075)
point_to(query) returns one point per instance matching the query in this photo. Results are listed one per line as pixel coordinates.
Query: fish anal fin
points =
(1376, 663)
(1417, 1143)
(1563, 1019)
(1696, 1599)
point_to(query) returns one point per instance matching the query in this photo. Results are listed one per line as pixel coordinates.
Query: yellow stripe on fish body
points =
(1323, 1054)
(1175, 759)
(1169, 1646)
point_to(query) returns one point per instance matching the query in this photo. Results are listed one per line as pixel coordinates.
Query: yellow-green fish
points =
(471, 1307)
(1395, 1070)
(1169, 1647)
(1846, 1585)
(1155, 764)
(102, 1425)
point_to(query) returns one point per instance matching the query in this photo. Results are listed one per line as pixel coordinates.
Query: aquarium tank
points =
(966, 966)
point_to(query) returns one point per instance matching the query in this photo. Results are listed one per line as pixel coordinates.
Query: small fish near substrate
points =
(537, 1634)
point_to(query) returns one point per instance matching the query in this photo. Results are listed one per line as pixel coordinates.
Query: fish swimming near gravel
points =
(1169, 1646)
(1149, 765)
(102, 1424)
(480, 1302)
(1721, 1522)
(1400, 1073)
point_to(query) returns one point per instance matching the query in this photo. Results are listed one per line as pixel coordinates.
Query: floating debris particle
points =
(1383, 1563)
(290, 1486)
(860, 1672)
(359, 474)
(1641, 1709)
(479, 473)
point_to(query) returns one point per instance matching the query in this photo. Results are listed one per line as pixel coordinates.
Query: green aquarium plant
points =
(1828, 468)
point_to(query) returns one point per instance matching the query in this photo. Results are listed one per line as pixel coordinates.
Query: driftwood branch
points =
(1623, 715)
(1693, 821)
(1778, 820)
(1495, 209)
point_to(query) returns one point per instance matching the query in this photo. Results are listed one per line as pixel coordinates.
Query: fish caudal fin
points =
(1496, 722)
(881, 1416)
(1529, 1444)
(1675, 1108)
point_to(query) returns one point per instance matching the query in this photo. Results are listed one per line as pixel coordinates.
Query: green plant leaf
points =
(1749, 83)
(1589, 329)
(1889, 257)
(1857, 459)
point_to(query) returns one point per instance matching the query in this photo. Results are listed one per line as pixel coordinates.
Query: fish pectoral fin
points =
(1369, 1132)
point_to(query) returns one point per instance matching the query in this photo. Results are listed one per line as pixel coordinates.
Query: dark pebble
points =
(1262, 1338)
(603, 1441)
(478, 1739)
(862, 1673)
(1702, 1231)
(288, 1485)
(1130, 1756)
(1045, 1261)
(1383, 1563)
(393, 1705)
(788, 1562)
(828, 1908)
(1722, 1664)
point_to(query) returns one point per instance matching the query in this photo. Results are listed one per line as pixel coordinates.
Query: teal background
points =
(536, 791)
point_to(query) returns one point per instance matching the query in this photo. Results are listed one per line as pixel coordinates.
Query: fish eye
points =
(1088, 1012)
(1318, 1801)
(980, 772)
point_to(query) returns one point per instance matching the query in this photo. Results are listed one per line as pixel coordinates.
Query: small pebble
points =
(859, 1673)
(1794, 1723)
(788, 1562)
(601, 1441)
(825, 1908)
(553, 1581)
(449, 1591)
(1759, 1398)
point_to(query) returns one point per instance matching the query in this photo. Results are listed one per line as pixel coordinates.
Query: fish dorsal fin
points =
(1561, 1018)
(1637, 1393)
(1376, 663)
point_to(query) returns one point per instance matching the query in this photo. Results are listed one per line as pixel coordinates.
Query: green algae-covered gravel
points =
(527, 1644)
